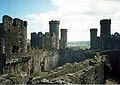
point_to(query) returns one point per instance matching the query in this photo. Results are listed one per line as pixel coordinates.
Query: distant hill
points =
(81, 44)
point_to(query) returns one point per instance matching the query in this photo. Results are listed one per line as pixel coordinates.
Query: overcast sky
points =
(78, 16)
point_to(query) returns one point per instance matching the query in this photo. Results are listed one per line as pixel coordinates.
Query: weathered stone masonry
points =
(50, 40)
(13, 35)
(106, 41)
(63, 40)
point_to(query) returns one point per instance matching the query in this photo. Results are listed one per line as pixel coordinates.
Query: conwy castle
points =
(48, 60)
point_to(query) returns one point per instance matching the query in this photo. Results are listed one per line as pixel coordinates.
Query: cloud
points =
(78, 16)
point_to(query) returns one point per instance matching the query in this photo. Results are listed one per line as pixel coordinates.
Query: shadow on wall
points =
(70, 56)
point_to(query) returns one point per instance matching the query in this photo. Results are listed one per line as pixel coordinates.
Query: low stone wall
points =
(87, 72)
(31, 62)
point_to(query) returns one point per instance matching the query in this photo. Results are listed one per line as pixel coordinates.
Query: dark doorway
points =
(15, 49)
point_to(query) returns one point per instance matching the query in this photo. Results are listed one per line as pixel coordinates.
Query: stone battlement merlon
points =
(105, 21)
(17, 22)
(6, 17)
(54, 22)
(33, 33)
(7, 21)
(25, 24)
(37, 33)
(40, 34)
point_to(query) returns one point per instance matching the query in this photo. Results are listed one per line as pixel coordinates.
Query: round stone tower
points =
(63, 41)
(54, 31)
(105, 32)
(93, 38)
(105, 27)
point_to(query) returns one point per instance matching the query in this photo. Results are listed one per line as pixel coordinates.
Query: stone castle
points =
(13, 35)
(14, 54)
(50, 61)
(49, 40)
(105, 41)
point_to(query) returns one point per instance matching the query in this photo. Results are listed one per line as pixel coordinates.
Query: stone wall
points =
(51, 60)
(31, 62)
(113, 63)
(87, 72)
(17, 63)
(70, 55)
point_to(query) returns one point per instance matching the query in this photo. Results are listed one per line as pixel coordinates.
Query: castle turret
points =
(40, 40)
(54, 31)
(105, 27)
(23, 36)
(93, 38)
(63, 41)
(34, 40)
(105, 32)
(47, 41)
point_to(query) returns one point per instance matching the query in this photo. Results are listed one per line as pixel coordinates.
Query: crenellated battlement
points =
(9, 22)
(54, 22)
(105, 21)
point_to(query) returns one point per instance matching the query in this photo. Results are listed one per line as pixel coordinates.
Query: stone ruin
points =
(48, 52)
(13, 35)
